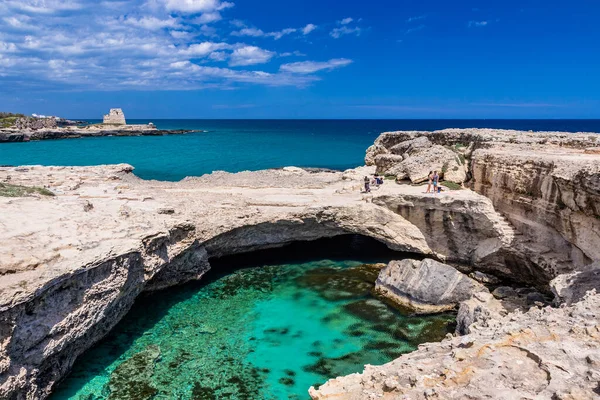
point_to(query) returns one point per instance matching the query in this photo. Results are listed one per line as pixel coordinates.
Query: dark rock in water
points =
(341, 284)
(130, 380)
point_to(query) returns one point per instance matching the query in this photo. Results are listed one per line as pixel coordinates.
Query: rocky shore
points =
(11, 135)
(529, 217)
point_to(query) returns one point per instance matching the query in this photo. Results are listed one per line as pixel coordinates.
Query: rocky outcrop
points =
(65, 283)
(29, 123)
(551, 197)
(572, 287)
(75, 132)
(518, 356)
(425, 287)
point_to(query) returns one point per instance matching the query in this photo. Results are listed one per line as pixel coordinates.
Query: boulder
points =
(385, 162)
(373, 152)
(418, 143)
(425, 286)
(421, 161)
(572, 288)
(479, 309)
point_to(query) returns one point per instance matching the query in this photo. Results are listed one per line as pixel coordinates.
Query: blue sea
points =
(237, 145)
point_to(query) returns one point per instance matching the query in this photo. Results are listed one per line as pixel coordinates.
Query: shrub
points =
(8, 190)
(451, 185)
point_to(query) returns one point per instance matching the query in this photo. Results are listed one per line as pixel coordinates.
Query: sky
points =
(301, 59)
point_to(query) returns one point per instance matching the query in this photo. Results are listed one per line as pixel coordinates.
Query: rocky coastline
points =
(13, 135)
(528, 216)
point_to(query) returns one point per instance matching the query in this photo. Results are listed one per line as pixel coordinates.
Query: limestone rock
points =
(479, 309)
(372, 152)
(425, 286)
(413, 144)
(571, 288)
(385, 162)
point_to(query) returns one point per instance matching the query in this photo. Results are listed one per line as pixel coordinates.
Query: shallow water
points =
(265, 332)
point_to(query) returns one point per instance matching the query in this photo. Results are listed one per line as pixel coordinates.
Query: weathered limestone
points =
(425, 287)
(115, 117)
(65, 281)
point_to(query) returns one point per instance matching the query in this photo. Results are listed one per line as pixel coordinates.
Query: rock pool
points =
(257, 327)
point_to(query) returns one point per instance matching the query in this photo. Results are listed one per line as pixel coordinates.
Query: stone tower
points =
(115, 117)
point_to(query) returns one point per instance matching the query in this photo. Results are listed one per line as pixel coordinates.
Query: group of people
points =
(433, 180)
(376, 180)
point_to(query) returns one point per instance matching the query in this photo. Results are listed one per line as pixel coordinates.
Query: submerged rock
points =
(425, 286)
(130, 381)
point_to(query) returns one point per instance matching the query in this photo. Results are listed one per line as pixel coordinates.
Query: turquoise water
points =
(265, 332)
(237, 145)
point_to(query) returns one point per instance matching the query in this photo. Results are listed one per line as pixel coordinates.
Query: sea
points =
(238, 145)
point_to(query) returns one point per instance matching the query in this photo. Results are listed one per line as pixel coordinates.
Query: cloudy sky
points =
(303, 59)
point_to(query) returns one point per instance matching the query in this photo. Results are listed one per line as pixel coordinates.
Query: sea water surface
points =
(237, 145)
(263, 326)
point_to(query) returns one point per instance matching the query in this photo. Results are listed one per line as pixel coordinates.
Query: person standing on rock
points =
(430, 180)
(435, 180)
(367, 185)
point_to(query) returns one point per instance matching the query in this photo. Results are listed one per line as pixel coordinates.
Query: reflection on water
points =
(265, 332)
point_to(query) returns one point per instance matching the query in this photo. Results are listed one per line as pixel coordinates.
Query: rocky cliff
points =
(66, 280)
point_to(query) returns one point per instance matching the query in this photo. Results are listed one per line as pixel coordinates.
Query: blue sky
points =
(302, 59)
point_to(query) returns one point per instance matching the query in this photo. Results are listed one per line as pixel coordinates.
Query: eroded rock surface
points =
(426, 286)
(74, 263)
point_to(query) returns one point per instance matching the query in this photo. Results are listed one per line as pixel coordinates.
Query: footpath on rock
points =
(74, 262)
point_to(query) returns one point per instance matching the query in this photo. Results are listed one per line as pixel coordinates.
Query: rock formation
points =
(73, 263)
(425, 287)
(115, 117)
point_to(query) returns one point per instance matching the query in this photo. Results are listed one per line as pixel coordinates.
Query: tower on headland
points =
(115, 117)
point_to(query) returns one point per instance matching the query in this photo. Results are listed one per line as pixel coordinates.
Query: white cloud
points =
(278, 35)
(152, 23)
(254, 32)
(196, 6)
(477, 24)
(136, 44)
(308, 29)
(309, 67)
(336, 33)
(346, 21)
(208, 17)
(204, 49)
(250, 55)
(417, 18)
(44, 6)
(416, 29)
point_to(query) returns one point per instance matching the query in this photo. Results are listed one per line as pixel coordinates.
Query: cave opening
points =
(267, 324)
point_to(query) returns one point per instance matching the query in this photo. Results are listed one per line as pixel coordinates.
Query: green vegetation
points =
(8, 190)
(8, 119)
(451, 185)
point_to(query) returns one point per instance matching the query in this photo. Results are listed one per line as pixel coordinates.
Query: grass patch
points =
(7, 122)
(389, 177)
(451, 185)
(8, 190)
